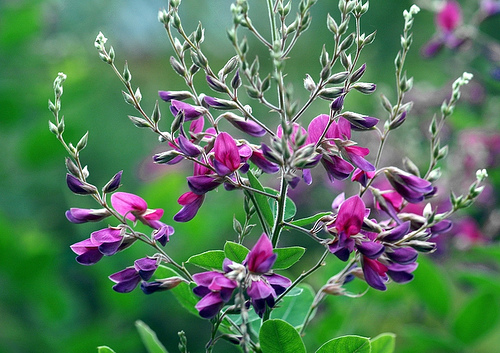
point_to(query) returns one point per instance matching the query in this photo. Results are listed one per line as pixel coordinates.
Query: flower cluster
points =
(379, 230)
(254, 276)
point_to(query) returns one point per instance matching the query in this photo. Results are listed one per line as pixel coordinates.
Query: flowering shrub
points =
(371, 226)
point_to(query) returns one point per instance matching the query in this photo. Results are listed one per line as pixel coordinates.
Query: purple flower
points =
(265, 286)
(161, 284)
(168, 96)
(262, 163)
(190, 112)
(215, 289)
(191, 203)
(162, 235)
(106, 241)
(126, 280)
(490, 7)
(375, 273)
(412, 188)
(114, 183)
(83, 215)
(362, 177)
(79, 187)
(135, 208)
(336, 167)
(245, 125)
(356, 155)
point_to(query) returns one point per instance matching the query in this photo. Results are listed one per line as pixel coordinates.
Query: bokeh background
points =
(49, 303)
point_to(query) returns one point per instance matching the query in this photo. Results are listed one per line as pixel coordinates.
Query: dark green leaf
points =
(309, 220)
(346, 344)
(383, 343)
(148, 336)
(235, 252)
(293, 308)
(477, 318)
(262, 205)
(287, 257)
(183, 292)
(278, 336)
(209, 260)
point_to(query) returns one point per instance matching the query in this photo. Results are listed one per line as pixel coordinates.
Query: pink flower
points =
(135, 208)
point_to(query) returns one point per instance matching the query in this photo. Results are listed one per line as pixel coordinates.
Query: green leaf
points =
(104, 349)
(183, 292)
(309, 220)
(209, 260)
(431, 286)
(287, 257)
(346, 344)
(278, 336)
(235, 252)
(476, 318)
(290, 208)
(262, 205)
(293, 308)
(384, 343)
(148, 336)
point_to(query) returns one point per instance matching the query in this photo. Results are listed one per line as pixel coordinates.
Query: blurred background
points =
(49, 303)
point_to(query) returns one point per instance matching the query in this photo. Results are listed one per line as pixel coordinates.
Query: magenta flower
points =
(448, 19)
(126, 280)
(348, 222)
(264, 285)
(106, 241)
(190, 203)
(450, 16)
(135, 208)
(215, 289)
(226, 153)
(83, 215)
(412, 188)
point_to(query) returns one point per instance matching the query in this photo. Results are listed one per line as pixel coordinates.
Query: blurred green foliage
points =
(49, 303)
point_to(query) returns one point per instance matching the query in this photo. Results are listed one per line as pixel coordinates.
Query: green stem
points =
(280, 212)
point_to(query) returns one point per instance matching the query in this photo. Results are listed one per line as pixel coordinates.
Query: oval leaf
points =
(148, 336)
(476, 318)
(208, 260)
(346, 344)
(294, 307)
(235, 252)
(384, 343)
(278, 336)
(287, 257)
